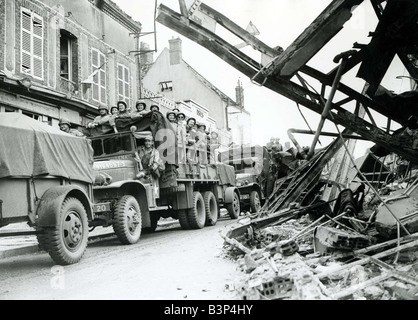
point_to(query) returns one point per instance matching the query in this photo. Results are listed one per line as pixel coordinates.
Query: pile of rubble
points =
(305, 257)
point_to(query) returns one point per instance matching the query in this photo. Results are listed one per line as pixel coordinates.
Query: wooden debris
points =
(376, 256)
(353, 289)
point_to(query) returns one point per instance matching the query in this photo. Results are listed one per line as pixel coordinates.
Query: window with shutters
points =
(99, 78)
(32, 43)
(123, 84)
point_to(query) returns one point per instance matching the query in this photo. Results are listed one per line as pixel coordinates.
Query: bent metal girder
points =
(302, 95)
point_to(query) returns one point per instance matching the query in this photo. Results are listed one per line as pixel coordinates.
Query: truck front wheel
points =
(127, 225)
(255, 202)
(234, 208)
(197, 214)
(211, 208)
(67, 241)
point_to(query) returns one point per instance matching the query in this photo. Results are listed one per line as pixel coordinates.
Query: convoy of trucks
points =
(64, 185)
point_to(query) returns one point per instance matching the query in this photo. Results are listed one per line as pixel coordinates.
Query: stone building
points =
(66, 58)
(176, 80)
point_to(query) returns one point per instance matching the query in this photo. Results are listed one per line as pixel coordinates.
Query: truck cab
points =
(251, 166)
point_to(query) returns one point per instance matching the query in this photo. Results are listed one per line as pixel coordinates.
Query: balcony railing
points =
(68, 86)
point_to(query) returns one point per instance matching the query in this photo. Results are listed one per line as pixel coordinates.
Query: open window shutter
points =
(127, 85)
(26, 41)
(95, 63)
(120, 82)
(37, 47)
(102, 78)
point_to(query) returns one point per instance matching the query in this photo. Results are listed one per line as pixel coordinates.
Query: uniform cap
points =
(191, 118)
(181, 113)
(123, 102)
(64, 121)
(171, 112)
(139, 102)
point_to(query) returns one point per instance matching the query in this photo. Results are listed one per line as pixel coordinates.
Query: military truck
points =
(46, 179)
(251, 165)
(191, 193)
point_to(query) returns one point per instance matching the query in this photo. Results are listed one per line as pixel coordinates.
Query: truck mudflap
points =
(52, 200)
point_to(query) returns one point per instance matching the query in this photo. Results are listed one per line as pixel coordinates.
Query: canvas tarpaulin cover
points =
(31, 148)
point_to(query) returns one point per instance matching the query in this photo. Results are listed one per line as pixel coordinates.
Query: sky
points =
(279, 22)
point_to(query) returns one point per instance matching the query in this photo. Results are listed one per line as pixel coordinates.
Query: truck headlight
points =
(102, 179)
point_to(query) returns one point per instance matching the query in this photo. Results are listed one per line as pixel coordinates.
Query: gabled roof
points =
(201, 78)
(208, 84)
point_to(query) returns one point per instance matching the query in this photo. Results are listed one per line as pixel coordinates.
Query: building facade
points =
(170, 76)
(66, 58)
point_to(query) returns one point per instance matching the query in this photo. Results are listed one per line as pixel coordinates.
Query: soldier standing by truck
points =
(181, 137)
(191, 140)
(202, 144)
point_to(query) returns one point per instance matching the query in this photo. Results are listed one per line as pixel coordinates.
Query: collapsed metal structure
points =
(395, 34)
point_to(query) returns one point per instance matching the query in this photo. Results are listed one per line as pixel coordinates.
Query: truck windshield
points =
(105, 146)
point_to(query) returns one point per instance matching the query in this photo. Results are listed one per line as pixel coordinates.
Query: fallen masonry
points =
(297, 261)
(315, 252)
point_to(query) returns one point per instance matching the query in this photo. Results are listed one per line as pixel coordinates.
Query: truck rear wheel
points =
(127, 225)
(255, 202)
(211, 208)
(197, 214)
(183, 219)
(67, 241)
(234, 208)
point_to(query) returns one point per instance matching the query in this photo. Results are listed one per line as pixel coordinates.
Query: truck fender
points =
(51, 202)
(131, 187)
(229, 194)
(250, 187)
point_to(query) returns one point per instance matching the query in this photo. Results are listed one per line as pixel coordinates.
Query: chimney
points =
(146, 58)
(239, 95)
(175, 51)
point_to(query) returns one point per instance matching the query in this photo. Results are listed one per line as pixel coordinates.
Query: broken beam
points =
(323, 29)
(395, 273)
(238, 31)
(353, 289)
(369, 259)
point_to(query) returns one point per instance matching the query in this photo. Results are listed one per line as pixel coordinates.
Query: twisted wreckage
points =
(349, 231)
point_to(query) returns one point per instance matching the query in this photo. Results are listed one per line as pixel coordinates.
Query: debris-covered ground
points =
(306, 257)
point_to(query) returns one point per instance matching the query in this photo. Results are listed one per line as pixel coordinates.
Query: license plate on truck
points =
(101, 207)
(245, 196)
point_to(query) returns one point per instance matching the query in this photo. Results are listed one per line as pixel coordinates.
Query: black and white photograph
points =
(203, 156)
